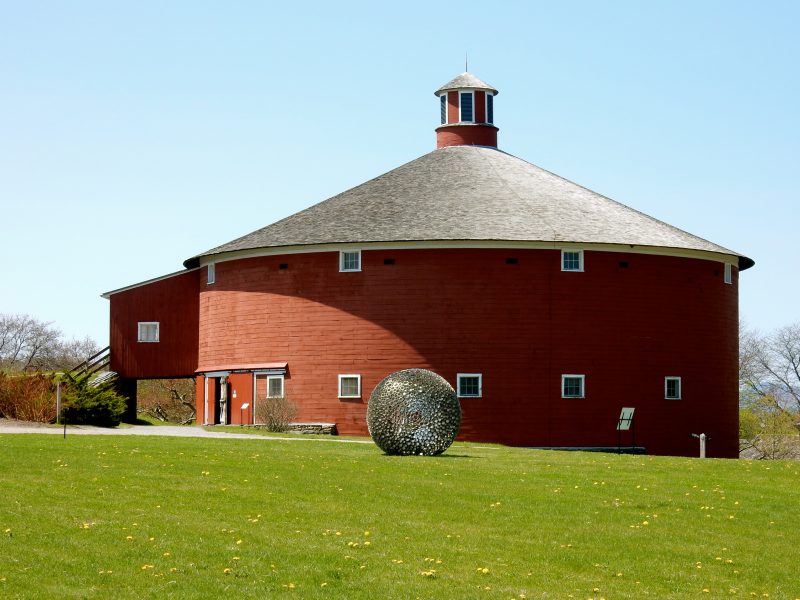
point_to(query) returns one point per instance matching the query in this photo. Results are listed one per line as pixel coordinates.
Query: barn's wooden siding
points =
(173, 303)
(521, 325)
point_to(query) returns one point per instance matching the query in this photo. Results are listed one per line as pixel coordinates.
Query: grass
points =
(147, 517)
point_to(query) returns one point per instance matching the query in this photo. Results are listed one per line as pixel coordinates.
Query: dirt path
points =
(10, 426)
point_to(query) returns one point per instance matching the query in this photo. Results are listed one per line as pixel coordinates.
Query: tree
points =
(769, 384)
(168, 400)
(769, 365)
(29, 344)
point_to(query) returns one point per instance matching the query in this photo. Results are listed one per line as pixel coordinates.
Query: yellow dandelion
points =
(226, 570)
(323, 584)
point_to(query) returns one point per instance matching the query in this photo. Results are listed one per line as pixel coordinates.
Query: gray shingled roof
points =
(465, 80)
(469, 193)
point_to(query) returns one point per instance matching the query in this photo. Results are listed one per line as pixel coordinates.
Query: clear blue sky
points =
(135, 135)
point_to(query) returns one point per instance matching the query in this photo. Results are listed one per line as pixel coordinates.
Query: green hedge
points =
(83, 404)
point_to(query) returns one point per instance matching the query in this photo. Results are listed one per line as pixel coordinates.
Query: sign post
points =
(625, 423)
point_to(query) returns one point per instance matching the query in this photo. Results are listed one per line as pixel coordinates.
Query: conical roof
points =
(469, 193)
(465, 80)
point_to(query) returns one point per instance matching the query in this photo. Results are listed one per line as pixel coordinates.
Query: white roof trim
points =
(732, 259)
(108, 295)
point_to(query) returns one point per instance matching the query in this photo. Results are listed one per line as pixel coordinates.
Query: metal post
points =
(58, 402)
(703, 439)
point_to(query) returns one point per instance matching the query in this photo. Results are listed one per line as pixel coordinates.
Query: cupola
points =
(467, 113)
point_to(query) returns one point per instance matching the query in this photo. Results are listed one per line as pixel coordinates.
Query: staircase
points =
(93, 364)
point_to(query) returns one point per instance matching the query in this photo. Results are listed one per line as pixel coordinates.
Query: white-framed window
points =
(728, 273)
(212, 273)
(572, 386)
(274, 386)
(466, 107)
(148, 331)
(443, 107)
(350, 260)
(572, 260)
(672, 388)
(469, 385)
(349, 386)
(489, 108)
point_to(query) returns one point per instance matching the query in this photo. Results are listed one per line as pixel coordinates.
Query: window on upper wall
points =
(350, 260)
(728, 273)
(466, 104)
(443, 109)
(489, 108)
(470, 385)
(349, 386)
(672, 388)
(212, 273)
(274, 386)
(572, 260)
(148, 331)
(572, 386)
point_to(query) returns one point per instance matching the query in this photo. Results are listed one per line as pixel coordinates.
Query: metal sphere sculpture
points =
(414, 411)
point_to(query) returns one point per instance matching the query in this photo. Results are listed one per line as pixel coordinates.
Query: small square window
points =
(148, 331)
(350, 260)
(572, 260)
(728, 273)
(672, 388)
(212, 273)
(572, 386)
(470, 385)
(275, 386)
(349, 386)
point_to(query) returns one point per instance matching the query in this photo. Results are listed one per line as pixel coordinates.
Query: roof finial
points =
(466, 63)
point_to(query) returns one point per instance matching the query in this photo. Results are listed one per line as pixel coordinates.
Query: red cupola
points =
(467, 107)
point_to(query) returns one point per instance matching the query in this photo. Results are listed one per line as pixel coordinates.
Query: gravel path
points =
(10, 426)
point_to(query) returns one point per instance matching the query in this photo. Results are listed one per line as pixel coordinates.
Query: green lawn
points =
(136, 517)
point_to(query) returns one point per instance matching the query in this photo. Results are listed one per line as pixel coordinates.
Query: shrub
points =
(83, 404)
(768, 431)
(28, 397)
(275, 413)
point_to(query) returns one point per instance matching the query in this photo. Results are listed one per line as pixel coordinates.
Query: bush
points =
(83, 404)
(28, 397)
(275, 413)
(768, 431)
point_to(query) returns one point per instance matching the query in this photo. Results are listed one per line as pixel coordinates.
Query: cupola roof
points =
(465, 81)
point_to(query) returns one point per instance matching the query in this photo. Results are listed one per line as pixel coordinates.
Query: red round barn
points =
(547, 306)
